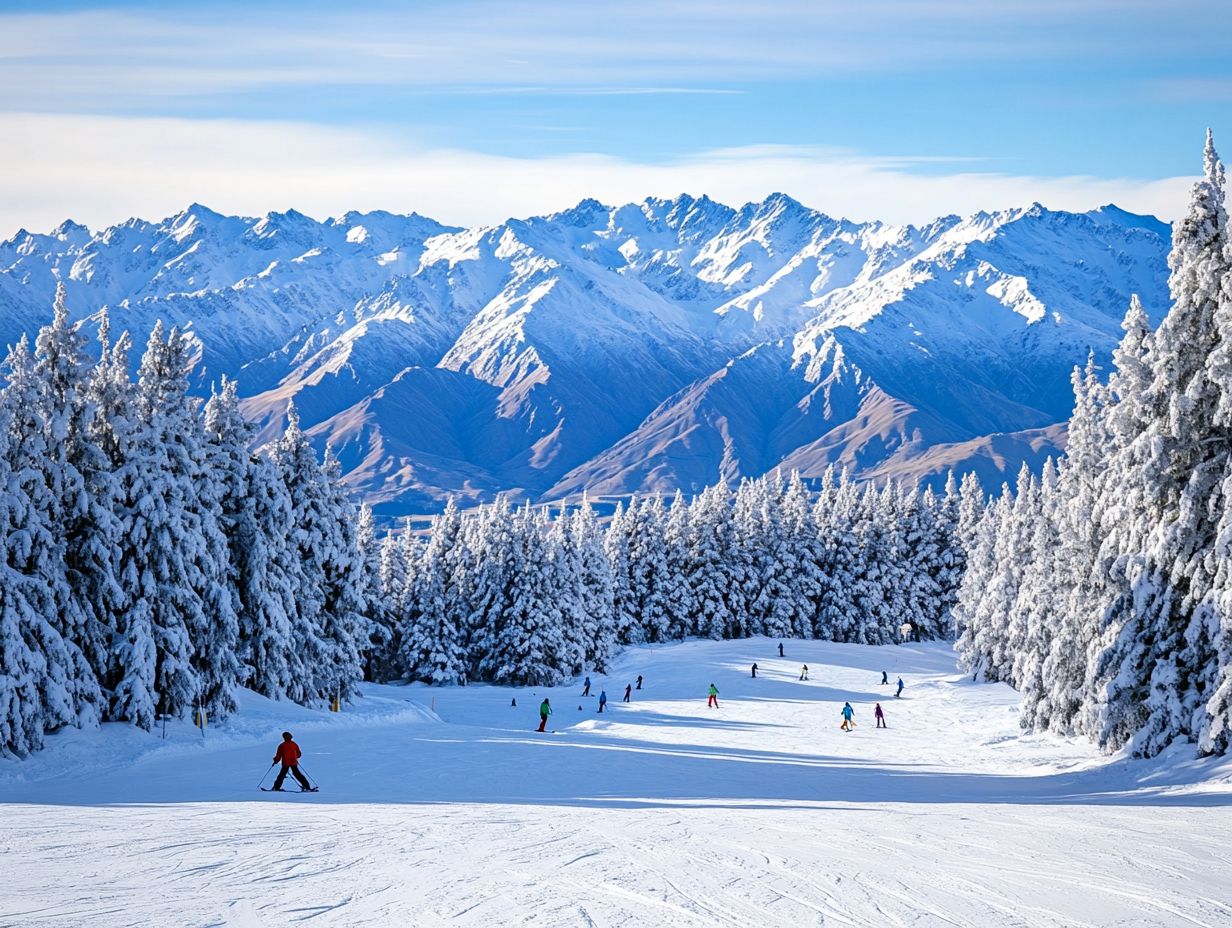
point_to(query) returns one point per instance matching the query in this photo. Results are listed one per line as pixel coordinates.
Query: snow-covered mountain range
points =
(661, 344)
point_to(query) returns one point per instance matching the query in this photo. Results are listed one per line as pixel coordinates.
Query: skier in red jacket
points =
(288, 752)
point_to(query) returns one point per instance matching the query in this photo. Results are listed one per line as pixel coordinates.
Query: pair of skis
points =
(270, 789)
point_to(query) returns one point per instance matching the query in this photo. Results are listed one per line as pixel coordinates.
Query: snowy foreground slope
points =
(662, 812)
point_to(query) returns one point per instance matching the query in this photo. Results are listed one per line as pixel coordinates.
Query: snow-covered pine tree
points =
(1040, 601)
(39, 468)
(1190, 446)
(807, 579)
(647, 560)
(596, 587)
(838, 515)
(380, 621)
(1074, 624)
(617, 542)
(526, 640)
(395, 575)
(678, 542)
(82, 496)
(493, 540)
(708, 569)
(1129, 509)
(173, 554)
(327, 627)
(565, 580)
(433, 648)
(919, 545)
(767, 557)
(255, 519)
(38, 671)
(982, 608)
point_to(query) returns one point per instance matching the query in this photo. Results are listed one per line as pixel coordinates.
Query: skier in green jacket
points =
(545, 709)
(713, 701)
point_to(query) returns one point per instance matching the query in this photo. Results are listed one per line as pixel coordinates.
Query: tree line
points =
(1102, 588)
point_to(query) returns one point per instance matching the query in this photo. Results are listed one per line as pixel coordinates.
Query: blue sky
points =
(898, 109)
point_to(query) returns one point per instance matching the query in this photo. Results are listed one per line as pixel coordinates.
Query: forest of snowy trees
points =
(513, 596)
(154, 564)
(1102, 589)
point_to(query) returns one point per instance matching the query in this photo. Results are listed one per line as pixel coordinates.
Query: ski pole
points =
(310, 777)
(266, 774)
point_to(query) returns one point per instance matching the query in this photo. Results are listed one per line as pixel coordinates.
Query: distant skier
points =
(586, 687)
(885, 678)
(639, 681)
(849, 717)
(713, 701)
(545, 709)
(754, 671)
(628, 691)
(804, 672)
(288, 753)
(780, 649)
(900, 688)
(602, 699)
(904, 631)
(879, 713)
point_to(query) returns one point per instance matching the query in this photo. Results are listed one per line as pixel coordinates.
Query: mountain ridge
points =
(618, 349)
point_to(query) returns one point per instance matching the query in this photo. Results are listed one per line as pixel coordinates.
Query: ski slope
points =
(446, 808)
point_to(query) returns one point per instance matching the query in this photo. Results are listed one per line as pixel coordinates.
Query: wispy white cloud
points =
(102, 170)
(153, 52)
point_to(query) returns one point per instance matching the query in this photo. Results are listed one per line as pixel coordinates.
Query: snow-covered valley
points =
(444, 806)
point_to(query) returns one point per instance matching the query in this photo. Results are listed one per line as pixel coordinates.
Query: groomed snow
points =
(661, 812)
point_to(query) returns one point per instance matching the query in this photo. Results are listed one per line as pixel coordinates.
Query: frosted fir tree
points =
(39, 678)
(489, 585)
(255, 518)
(708, 569)
(647, 560)
(526, 635)
(270, 580)
(565, 579)
(1014, 551)
(807, 578)
(1040, 604)
(82, 495)
(767, 557)
(596, 587)
(378, 614)
(1129, 510)
(838, 515)
(1189, 451)
(617, 543)
(328, 626)
(678, 543)
(41, 473)
(433, 646)
(984, 599)
(395, 575)
(1082, 599)
(178, 629)
(951, 545)
(920, 554)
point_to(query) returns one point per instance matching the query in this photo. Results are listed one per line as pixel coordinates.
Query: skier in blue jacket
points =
(849, 716)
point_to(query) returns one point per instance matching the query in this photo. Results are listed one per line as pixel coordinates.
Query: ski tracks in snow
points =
(663, 814)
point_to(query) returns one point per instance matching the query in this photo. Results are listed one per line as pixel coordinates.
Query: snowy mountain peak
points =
(583, 349)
